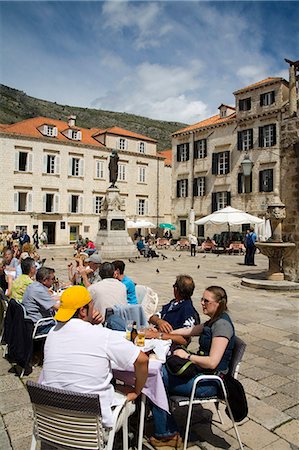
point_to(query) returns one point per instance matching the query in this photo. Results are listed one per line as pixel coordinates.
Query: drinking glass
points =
(141, 336)
(129, 328)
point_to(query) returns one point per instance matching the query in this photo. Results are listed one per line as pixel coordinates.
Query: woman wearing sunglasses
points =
(216, 342)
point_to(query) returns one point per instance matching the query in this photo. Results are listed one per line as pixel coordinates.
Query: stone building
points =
(55, 175)
(290, 172)
(207, 156)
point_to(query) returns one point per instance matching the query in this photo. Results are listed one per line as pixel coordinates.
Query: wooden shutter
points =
(274, 134)
(178, 153)
(204, 185)
(187, 182)
(261, 136)
(79, 135)
(241, 104)
(240, 183)
(55, 131)
(94, 203)
(270, 180)
(145, 207)
(16, 201)
(17, 157)
(250, 183)
(228, 199)
(251, 138)
(272, 96)
(227, 154)
(187, 152)
(178, 188)
(44, 202)
(29, 202)
(57, 165)
(214, 163)
(137, 207)
(80, 205)
(56, 203)
(81, 167)
(261, 185)
(195, 150)
(195, 187)
(262, 100)
(70, 203)
(45, 163)
(70, 165)
(205, 148)
(214, 201)
(29, 162)
(240, 140)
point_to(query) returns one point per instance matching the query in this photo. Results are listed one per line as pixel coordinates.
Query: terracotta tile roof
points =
(214, 120)
(122, 132)
(259, 83)
(227, 106)
(29, 127)
(167, 155)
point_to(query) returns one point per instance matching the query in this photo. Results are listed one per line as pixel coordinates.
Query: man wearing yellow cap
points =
(79, 352)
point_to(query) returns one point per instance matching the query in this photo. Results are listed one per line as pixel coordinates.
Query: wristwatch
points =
(189, 357)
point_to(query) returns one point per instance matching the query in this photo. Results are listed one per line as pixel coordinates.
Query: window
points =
(200, 149)
(245, 104)
(142, 206)
(75, 135)
(122, 144)
(183, 152)
(50, 203)
(76, 167)
(199, 187)
(244, 184)
(183, 228)
(141, 174)
(50, 130)
(141, 147)
(266, 180)
(122, 176)
(220, 200)
(220, 163)
(245, 139)
(99, 169)
(75, 203)
(23, 161)
(51, 164)
(97, 204)
(267, 99)
(267, 135)
(182, 188)
(23, 201)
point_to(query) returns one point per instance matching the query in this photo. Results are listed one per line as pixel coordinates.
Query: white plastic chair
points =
(150, 302)
(39, 323)
(191, 401)
(72, 420)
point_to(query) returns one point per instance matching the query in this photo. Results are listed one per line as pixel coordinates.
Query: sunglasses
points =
(206, 301)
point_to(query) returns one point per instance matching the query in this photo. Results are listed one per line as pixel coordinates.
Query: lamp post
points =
(247, 165)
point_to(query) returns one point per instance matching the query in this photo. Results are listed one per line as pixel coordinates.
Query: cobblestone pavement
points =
(267, 321)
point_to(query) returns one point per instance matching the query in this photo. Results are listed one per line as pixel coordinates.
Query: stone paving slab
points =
(256, 389)
(255, 436)
(281, 401)
(19, 423)
(289, 431)
(4, 441)
(293, 412)
(291, 389)
(10, 383)
(256, 373)
(273, 381)
(280, 444)
(265, 415)
(12, 400)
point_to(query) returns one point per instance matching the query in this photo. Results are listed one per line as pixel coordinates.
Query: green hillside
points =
(15, 105)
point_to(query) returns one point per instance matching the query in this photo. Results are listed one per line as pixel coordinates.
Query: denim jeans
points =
(165, 424)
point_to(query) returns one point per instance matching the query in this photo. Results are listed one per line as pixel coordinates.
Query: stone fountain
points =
(275, 249)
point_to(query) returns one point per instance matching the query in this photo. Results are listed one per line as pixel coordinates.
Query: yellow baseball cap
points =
(73, 298)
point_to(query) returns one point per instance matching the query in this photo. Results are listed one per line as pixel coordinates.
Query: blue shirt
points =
(37, 301)
(131, 291)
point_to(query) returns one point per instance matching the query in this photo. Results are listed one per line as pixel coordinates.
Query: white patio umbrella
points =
(140, 224)
(230, 216)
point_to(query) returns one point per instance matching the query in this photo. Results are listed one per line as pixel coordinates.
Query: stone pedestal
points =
(113, 240)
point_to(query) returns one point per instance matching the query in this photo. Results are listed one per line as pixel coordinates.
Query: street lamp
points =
(247, 165)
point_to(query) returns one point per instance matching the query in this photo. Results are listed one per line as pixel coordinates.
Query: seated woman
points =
(216, 342)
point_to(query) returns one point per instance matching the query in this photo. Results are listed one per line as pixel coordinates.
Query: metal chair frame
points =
(72, 420)
(238, 353)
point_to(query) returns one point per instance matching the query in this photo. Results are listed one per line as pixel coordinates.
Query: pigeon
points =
(173, 259)
(65, 259)
(218, 254)
(131, 260)
(204, 256)
(163, 256)
(198, 266)
(52, 259)
(157, 270)
(179, 256)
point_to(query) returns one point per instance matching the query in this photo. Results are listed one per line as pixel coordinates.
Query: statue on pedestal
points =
(113, 168)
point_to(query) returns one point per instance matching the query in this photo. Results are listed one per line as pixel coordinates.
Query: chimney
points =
(71, 121)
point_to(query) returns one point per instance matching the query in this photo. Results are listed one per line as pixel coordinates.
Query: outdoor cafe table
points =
(153, 389)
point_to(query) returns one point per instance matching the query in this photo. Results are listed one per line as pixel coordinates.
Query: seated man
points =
(109, 291)
(130, 285)
(140, 245)
(180, 312)
(90, 274)
(37, 299)
(78, 354)
(19, 285)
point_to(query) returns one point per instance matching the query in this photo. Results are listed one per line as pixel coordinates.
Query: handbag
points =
(181, 367)
(236, 398)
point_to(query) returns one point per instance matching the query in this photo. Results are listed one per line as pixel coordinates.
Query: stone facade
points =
(208, 155)
(290, 191)
(57, 182)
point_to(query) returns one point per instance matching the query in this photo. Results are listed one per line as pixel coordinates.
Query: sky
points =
(167, 60)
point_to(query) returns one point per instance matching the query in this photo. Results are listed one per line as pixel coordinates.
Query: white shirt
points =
(107, 293)
(193, 239)
(78, 358)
